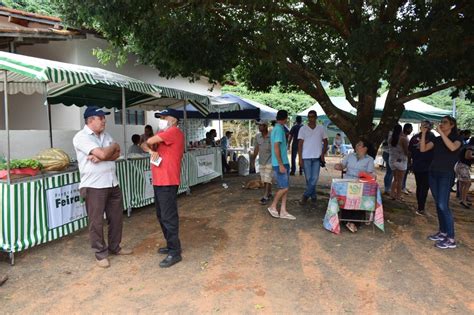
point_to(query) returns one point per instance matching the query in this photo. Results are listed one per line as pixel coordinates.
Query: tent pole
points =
(220, 127)
(7, 126)
(250, 134)
(48, 109)
(185, 117)
(124, 124)
(127, 180)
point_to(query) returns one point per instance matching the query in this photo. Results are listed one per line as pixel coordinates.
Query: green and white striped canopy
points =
(71, 84)
(175, 98)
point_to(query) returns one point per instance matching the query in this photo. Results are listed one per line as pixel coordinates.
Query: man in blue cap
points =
(166, 177)
(96, 152)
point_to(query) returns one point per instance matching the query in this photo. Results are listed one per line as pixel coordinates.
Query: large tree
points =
(418, 47)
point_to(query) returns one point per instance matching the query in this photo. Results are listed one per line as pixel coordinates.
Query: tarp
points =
(201, 104)
(338, 101)
(71, 84)
(248, 109)
(415, 110)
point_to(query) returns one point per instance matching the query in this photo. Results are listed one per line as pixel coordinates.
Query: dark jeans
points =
(422, 187)
(294, 154)
(167, 212)
(98, 201)
(225, 165)
(440, 185)
(387, 180)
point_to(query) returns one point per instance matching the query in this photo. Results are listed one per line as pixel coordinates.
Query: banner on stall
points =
(205, 165)
(149, 193)
(64, 205)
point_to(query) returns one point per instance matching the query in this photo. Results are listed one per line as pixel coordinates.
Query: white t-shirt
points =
(313, 141)
(94, 175)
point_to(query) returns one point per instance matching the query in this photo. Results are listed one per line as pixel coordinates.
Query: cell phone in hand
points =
(156, 161)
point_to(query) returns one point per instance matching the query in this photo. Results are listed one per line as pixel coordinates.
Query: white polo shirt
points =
(94, 175)
(313, 141)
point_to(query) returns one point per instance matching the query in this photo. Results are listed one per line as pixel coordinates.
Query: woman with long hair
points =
(398, 160)
(445, 155)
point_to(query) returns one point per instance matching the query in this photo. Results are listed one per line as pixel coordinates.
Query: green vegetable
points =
(21, 163)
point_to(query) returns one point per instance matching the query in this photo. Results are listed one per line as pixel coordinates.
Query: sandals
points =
(351, 227)
(273, 212)
(287, 216)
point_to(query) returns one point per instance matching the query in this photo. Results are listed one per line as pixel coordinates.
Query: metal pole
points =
(220, 127)
(48, 109)
(124, 123)
(7, 126)
(454, 107)
(185, 117)
(250, 134)
(127, 180)
(50, 126)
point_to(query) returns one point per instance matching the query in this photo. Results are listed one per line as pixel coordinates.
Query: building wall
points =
(28, 116)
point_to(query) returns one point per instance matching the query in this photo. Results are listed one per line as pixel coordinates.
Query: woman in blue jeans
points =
(445, 155)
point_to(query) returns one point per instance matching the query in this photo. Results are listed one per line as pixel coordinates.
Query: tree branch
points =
(348, 94)
(429, 91)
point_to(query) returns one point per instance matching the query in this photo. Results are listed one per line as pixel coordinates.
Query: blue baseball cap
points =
(94, 111)
(168, 112)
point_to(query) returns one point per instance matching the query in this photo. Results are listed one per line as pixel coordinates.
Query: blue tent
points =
(248, 109)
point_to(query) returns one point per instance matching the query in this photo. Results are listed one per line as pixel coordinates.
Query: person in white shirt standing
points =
(312, 146)
(96, 152)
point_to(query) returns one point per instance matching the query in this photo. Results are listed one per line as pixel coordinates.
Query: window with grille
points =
(133, 117)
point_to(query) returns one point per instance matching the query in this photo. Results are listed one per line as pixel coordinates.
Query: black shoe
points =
(465, 205)
(170, 261)
(292, 173)
(163, 250)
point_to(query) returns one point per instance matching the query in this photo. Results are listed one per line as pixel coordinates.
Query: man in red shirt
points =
(166, 178)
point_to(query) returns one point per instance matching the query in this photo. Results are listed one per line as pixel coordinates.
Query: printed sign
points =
(205, 165)
(64, 205)
(148, 191)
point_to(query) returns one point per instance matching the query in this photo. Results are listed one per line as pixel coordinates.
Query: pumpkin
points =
(53, 159)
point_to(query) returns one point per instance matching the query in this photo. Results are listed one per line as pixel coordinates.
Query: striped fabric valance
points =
(22, 69)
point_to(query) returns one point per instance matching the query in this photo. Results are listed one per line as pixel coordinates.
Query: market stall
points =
(45, 207)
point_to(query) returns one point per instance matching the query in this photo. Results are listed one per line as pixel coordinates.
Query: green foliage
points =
(293, 102)
(464, 108)
(417, 47)
(45, 7)
(22, 163)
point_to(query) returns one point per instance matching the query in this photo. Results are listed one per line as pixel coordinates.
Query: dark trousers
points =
(294, 154)
(98, 201)
(167, 213)
(387, 180)
(422, 187)
(225, 165)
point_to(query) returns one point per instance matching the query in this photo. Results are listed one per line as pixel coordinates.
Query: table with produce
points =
(41, 203)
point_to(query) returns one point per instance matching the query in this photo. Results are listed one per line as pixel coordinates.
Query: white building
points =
(44, 37)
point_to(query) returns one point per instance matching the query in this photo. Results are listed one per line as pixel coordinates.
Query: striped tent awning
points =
(176, 98)
(69, 83)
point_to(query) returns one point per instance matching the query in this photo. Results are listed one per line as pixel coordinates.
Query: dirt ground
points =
(238, 259)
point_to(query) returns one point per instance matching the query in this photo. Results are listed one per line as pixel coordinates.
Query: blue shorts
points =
(283, 179)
